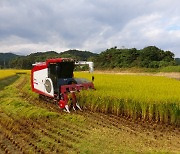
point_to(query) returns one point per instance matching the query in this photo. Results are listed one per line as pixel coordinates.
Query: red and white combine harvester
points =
(55, 79)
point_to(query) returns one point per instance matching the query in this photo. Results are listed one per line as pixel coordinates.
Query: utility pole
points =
(4, 63)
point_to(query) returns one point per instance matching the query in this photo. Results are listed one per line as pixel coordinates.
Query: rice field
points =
(31, 125)
(11, 72)
(149, 98)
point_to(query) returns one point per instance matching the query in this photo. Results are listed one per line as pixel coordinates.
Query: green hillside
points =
(5, 58)
(25, 62)
(76, 54)
(148, 57)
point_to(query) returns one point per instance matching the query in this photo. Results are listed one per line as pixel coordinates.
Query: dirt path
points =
(174, 75)
(81, 132)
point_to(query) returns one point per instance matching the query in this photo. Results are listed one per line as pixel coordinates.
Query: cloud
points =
(40, 25)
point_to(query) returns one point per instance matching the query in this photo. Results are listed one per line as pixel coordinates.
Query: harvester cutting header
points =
(55, 79)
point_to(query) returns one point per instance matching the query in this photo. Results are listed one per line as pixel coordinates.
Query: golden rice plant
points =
(149, 98)
(11, 72)
(6, 73)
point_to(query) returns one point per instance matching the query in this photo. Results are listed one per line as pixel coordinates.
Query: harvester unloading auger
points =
(55, 79)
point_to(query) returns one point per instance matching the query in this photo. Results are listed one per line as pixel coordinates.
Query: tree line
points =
(26, 62)
(148, 57)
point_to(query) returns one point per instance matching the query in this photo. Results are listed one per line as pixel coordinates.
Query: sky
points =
(28, 26)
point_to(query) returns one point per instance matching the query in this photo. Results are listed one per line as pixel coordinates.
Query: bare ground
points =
(175, 75)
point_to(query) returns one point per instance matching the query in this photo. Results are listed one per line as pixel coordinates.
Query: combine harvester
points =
(55, 79)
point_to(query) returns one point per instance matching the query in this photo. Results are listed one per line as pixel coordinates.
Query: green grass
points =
(8, 81)
(13, 104)
(28, 90)
(170, 69)
(143, 70)
(146, 97)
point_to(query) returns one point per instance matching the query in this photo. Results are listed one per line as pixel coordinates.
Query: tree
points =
(149, 57)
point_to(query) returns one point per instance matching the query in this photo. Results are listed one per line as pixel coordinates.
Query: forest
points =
(149, 57)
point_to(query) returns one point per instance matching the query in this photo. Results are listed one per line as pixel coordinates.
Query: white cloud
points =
(40, 25)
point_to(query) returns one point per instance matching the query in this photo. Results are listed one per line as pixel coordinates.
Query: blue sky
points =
(94, 25)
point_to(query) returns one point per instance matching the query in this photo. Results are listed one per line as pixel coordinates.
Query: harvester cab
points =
(55, 79)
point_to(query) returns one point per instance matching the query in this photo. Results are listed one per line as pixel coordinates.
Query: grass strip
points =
(13, 104)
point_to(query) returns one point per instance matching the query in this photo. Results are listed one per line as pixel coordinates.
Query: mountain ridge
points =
(25, 62)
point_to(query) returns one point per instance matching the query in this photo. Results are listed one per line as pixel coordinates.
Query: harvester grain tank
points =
(54, 79)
